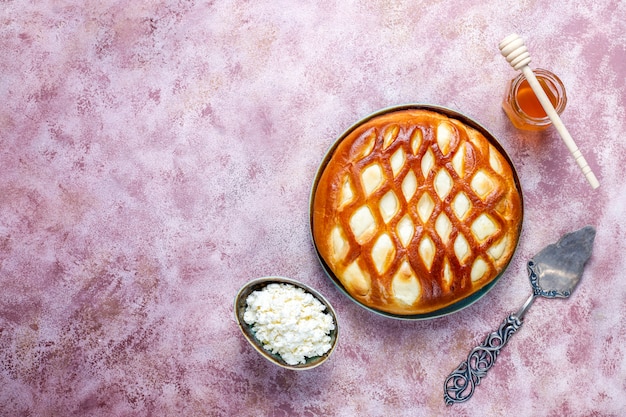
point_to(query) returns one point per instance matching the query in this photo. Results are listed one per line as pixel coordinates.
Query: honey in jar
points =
(522, 106)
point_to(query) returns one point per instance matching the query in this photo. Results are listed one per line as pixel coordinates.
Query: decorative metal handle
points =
(460, 384)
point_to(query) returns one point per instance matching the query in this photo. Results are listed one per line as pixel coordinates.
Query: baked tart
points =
(414, 211)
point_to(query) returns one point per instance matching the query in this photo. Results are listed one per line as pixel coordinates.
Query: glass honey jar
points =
(522, 106)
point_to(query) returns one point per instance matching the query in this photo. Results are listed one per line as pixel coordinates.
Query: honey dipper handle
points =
(460, 384)
(514, 50)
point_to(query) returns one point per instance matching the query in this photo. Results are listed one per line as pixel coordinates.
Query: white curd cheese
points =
(290, 322)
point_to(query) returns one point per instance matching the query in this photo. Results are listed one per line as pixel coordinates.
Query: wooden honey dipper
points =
(514, 50)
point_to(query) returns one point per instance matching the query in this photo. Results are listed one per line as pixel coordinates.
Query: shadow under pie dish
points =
(416, 211)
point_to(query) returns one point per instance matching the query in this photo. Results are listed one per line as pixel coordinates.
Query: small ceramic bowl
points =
(246, 329)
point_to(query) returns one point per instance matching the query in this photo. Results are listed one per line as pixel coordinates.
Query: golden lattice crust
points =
(415, 211)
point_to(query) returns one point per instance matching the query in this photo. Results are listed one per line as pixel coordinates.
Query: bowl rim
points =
(463, 303)
(261, 282)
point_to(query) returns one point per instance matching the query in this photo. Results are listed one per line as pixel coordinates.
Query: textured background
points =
(155, 156)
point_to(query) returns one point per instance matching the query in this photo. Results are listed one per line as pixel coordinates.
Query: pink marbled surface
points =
(155, 156)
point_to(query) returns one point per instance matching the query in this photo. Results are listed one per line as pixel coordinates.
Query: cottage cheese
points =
(289, 321)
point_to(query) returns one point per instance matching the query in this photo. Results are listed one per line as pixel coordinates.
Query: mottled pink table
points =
(155, 156)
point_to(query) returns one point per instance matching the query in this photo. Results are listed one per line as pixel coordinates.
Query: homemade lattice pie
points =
(415, 211)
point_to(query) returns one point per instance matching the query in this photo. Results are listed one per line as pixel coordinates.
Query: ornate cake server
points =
(554, 273)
